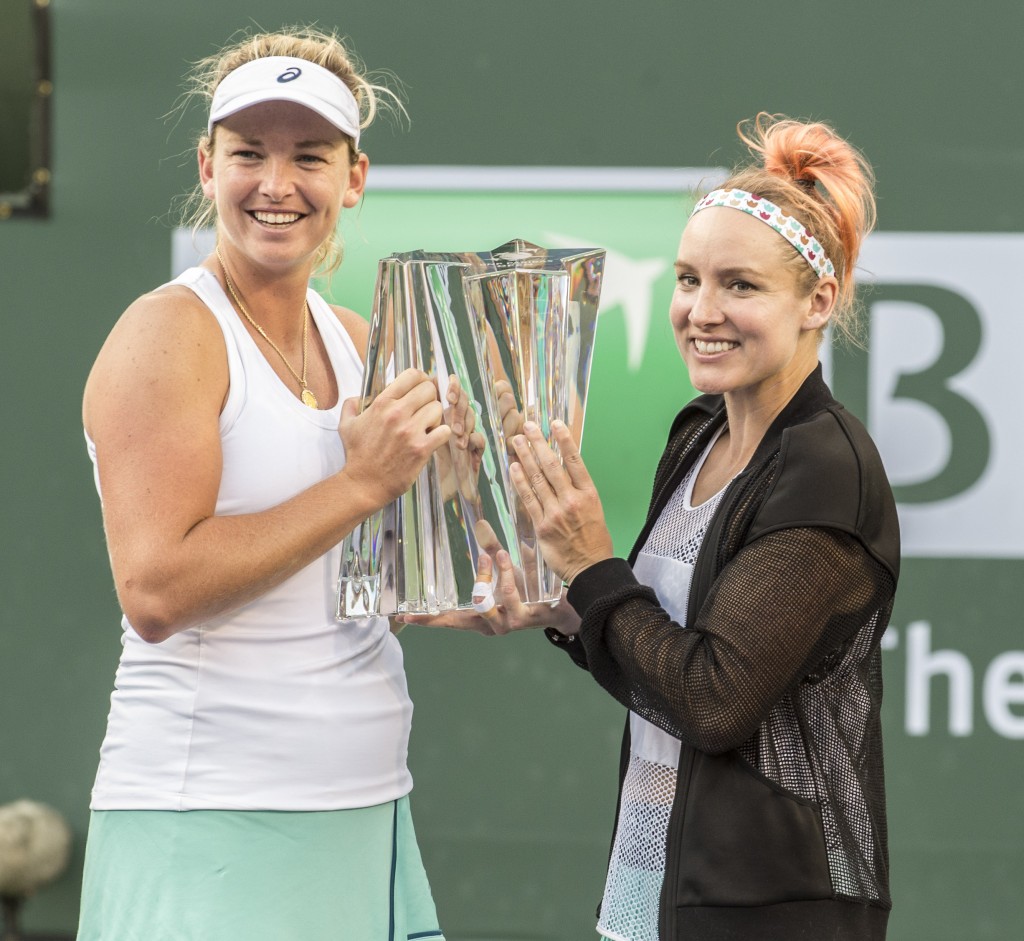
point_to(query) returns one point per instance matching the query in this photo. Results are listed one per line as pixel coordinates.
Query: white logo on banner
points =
(629, 283)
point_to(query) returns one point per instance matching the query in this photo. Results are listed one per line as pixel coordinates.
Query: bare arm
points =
(152, 407)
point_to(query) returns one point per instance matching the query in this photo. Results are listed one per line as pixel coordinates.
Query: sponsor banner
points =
(934, 387)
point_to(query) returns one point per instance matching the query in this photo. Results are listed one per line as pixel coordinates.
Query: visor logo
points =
(289, 75)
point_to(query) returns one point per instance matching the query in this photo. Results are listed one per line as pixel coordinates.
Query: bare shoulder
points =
(357, 327)
(167, 318)
(165, 347)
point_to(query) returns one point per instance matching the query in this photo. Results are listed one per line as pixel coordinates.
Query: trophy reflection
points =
(516, 326)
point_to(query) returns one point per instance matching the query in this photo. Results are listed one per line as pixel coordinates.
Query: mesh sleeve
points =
(778, 610)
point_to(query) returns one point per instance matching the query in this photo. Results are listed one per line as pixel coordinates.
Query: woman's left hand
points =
(561, 500)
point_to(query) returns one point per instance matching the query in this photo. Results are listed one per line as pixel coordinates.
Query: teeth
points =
(719, 346)
(277, 218)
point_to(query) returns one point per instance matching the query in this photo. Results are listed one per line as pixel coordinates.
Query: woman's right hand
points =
(388, 444)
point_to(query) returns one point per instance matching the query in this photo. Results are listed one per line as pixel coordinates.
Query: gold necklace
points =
(306, 394)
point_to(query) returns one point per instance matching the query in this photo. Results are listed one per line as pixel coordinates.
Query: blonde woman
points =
(253, 780)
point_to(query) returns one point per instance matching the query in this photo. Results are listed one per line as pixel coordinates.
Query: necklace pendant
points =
(309, 399)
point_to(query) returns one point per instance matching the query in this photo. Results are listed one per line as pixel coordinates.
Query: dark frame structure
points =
(33, 200)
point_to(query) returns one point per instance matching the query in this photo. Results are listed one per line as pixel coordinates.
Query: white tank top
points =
(275, 706)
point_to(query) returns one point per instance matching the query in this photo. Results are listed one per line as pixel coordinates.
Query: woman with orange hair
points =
(742, 633)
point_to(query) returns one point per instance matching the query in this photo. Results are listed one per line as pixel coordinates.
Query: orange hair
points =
(821, 180)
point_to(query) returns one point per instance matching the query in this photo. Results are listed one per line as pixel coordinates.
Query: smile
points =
(718, 346)
(276, 218)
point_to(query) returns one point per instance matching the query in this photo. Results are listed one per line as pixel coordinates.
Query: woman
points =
(253, 780)
(743, 631)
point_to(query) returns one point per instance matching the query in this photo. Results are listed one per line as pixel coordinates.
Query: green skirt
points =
(220, 875)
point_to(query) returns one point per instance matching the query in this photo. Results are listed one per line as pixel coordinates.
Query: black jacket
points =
(778, 829)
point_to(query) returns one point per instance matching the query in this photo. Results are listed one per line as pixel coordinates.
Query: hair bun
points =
(812, 154)
(806, 168)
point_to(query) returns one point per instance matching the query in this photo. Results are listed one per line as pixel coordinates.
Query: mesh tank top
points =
(636, 868)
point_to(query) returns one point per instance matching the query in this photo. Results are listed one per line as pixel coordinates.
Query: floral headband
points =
(770, 214)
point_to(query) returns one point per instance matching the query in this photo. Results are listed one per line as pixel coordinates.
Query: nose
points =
(703, 310)
(278, 181)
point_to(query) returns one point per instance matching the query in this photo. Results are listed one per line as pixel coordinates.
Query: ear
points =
(356, 182)
(821, 302)
(206, 170)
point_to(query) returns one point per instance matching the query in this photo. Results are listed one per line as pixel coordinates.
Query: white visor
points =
(285, 78)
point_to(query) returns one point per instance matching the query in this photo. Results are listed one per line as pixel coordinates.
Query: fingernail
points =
(530, 426)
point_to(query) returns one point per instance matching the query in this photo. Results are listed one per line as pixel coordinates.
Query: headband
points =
(770, 214)
(286, 78)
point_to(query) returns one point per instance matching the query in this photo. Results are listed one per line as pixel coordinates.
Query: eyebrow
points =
(735, 271)
(307, 144)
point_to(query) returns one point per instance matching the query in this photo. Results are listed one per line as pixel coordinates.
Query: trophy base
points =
(358, 598)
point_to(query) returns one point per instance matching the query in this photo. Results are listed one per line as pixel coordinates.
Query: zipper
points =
(667, 926)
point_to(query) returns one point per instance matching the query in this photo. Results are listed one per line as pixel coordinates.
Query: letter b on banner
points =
(931, 387)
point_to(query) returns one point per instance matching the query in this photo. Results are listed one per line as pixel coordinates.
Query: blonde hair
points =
(816, 176)
(302, 42)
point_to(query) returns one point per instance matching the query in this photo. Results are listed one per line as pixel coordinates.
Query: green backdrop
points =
(514, 752)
